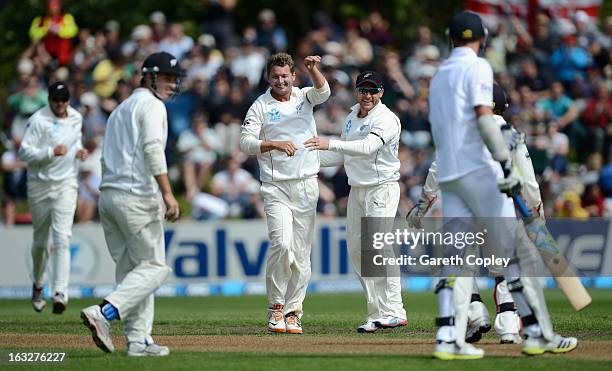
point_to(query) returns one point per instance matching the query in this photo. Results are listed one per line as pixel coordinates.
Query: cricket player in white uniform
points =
(368, 150)
(275, 127)
(507, 322)
(51, 147)
(134, 176)
(468, 139)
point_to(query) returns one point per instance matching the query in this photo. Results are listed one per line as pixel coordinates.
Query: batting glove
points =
(512, 137)
(511, 184)
(418, 211)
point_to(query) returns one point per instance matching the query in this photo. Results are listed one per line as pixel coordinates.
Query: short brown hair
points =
(281, 60)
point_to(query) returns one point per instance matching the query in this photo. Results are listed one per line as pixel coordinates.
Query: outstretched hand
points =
(317, 143)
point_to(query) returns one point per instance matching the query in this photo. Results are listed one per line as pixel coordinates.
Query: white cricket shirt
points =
(530, 190)
(461, 83)
(139, 120)
(44, 132)
(381, 166)
(270, 119)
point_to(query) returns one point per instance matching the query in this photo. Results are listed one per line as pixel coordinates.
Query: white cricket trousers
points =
(383, 294)
(290, 208)
(134, 232)
(52, 205)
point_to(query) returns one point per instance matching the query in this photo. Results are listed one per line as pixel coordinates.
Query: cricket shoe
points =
(479, 322)
(367, 328)
(448, 351)
(94, 320)
(276, 320)
(59, 303)
(293, 323)
(144, 350)
(38, 299)
(389, 321)
(539, 345)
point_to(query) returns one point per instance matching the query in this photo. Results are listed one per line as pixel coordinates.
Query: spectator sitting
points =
(593, 200)
(157, 22)
(569, 61)
(198, 147)
(359, 51)
(141, 44)
(176, 42)
(597, 116)
(570, 206)
(269, 34)
(251, 60)
(530, 77)
(561, 109)
(205, 59)
(376, 29)
(94, 121)
(24, 103)
(556, 145)
(108, 72)
(236, 186)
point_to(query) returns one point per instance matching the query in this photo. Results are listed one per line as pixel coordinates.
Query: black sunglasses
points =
(58, 100)
(370, 91)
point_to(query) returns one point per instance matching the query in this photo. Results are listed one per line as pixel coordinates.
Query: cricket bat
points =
(556, 263)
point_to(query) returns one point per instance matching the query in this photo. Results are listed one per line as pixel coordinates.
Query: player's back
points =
(453, 95)
(123, 162)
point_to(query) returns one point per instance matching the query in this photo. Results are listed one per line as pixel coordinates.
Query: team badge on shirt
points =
(274, 115)
(298, 108)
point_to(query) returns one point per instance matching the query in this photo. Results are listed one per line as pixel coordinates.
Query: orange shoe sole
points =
(294, 331)
(278, 331)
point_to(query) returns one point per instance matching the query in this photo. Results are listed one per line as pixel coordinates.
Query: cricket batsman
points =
(276, 125)
(368, 150)
(470, 146)
(134, 190)
(51, 146)
(507, 322)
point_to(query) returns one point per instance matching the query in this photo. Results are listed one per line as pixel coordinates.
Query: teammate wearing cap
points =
(275, 126)
(51, 146)
(134, 176)
(469, 146)
(368, 150)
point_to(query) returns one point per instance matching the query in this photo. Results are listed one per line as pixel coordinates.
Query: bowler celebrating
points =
(274, 128)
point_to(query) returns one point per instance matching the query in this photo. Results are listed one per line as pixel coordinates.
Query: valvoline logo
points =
(221, 256)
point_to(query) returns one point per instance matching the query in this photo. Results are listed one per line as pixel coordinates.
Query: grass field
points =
(229, 333)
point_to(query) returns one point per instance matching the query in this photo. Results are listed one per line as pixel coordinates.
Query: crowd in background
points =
(558, 77)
